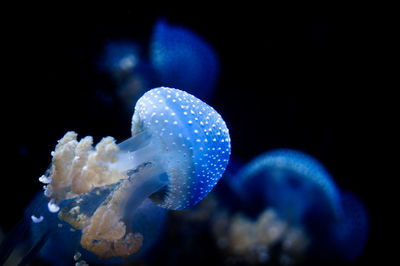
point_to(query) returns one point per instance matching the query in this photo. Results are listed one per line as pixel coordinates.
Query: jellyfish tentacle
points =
(136, 142)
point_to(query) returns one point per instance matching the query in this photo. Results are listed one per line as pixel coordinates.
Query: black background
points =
(297, 77)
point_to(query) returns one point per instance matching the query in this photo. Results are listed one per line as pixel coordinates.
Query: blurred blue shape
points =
(303, 193)
(351, 231)
(292, 182)
(120, 58)
(134, 85)
(184, 60)
(132, 74)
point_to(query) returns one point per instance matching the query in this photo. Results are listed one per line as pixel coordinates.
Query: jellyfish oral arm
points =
(138, 188)
(78, 167)
(106, 232)
(135, 151)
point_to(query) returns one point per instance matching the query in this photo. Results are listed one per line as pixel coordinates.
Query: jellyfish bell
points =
(179, 149)
(194, 139)
(184, 59)
(292, 182)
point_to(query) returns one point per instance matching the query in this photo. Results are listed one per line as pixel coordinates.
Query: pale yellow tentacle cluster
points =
(79, 168)
(251, 239)
(105, 235)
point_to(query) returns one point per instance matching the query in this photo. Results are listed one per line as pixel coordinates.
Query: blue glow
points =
(195, 132)
(120, 58)
(304, 194)
(351, 231)
(184, 60)
(292, 182)
(131, 87)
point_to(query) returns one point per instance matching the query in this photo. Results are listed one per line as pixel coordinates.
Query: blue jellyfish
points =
(178, 58)
(300, 191)
(291, 181)
(183, 59)
(110, 196)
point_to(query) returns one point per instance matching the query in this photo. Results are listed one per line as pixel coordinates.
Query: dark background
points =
(293, 77)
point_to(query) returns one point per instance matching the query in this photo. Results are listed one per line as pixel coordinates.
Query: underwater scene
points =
(167, 137)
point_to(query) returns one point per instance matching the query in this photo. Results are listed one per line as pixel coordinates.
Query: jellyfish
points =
(183, 59)
(178, 58)
(292, 182)
(179, 149)
(290, 199)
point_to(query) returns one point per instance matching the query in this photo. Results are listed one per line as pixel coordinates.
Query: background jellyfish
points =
(280, 178)
(177, 58)
(179, 150)
(183, 59)
(291, 211)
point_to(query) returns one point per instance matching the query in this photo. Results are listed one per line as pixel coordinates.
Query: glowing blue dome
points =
(195, 141)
